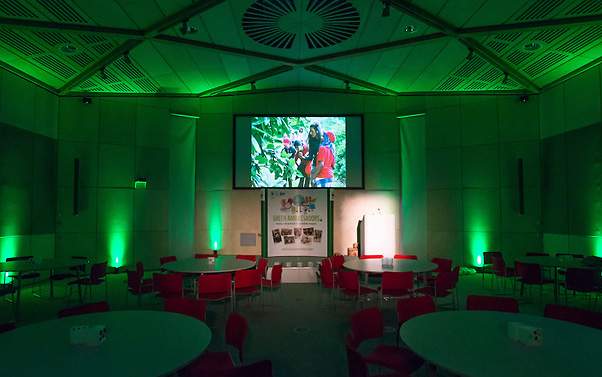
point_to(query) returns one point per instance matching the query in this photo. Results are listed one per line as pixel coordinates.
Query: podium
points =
(377, 235)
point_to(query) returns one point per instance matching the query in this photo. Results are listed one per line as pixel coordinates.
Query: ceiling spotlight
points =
(505, 80)
(86, 100)
(103, 73)
(409, 28)
(187, 29)
(470, 54)
(347, 85)
(532, 46)
(386, 8)
(68, 49)
(253, 86)
(523, 99)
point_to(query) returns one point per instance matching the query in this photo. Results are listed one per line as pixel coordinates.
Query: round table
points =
(556, 264)
(399, 265)
(475, 343)
(34, 265)
(202, 266)
(138, 343)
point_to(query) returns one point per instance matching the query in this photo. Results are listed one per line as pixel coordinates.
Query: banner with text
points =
(297, 222)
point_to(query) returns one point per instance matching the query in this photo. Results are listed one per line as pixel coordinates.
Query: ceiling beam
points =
(352, 80)
(570, 75)
(298, 89)
(378, 47)
(246, 80)
(17, 72)
(226, 49)
(156, 28)
(433, 21)
(18, 23)
(532, 25)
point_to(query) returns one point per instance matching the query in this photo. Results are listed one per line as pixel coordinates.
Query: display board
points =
(297, 222)
(377, 234)
(298, 151)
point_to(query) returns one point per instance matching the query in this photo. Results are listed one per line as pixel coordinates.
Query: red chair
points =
(405, 256)
(187, 306)
(215, 287)
(247, 283)
(530, 274)
(98, 273)
(499, 268)
(575, 315)
(373, 256)
(8, 326)
(349, 285)
(336, 262)
(274, 282)
(262, 266)
(444, 285)
(408, 308)
(368, 324)
(396, 284)
(211, 363)
(96, 307)
(583, 280)
(252, 258)
(357, 367)
(443, 264)
(259, 369)
(492, 303)
(168, 285)
(202, 256)
(136, 284)
(168, 259)
(487, 266)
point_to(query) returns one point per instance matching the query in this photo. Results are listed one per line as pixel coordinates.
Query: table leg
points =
(18, 300)
(51, 283)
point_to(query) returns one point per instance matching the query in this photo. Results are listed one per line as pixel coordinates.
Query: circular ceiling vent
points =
(322, 23)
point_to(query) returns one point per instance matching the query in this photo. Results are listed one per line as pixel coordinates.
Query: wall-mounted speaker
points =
(520, 186)
(76, 190)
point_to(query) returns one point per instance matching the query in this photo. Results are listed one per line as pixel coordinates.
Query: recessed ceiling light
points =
(68, 49)
(409, 29)
(532, 46)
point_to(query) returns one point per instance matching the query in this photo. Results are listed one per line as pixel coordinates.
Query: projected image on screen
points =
(298, 152)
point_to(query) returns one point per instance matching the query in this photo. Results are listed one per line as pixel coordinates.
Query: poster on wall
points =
(297, 223)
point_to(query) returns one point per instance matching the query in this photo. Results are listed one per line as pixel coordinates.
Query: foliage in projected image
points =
(280, 152)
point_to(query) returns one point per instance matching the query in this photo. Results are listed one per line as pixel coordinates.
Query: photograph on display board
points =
(298, 152)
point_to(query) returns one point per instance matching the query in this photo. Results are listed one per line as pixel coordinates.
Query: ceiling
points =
(214, 47)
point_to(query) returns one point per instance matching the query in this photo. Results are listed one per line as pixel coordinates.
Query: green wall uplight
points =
(117, 246)
(214, 219)
(478, 243)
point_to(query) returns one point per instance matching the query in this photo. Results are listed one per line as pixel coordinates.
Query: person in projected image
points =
(321, 154)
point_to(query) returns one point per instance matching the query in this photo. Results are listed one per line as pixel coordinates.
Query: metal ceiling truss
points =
(150, 32)
(247, 80)
(350, 80)
(437, 23)
(136, 37)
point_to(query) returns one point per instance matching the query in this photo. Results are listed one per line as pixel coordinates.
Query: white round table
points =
(475, 343)
(202, 266)
(138, 343)
(399, 265)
